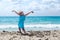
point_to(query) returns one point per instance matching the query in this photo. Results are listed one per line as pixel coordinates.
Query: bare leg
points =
(24, 30)
(19, 30)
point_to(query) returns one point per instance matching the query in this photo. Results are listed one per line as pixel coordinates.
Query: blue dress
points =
(21, 21)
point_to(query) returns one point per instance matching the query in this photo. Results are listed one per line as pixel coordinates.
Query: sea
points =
(32, 23)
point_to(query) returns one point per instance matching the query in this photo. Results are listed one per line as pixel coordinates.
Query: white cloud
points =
(25, 0)
(0, 3)
(41, 6)
(33, 4)
(9, 0)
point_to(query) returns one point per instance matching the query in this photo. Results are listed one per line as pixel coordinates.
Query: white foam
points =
(7, 26)
(32, 25)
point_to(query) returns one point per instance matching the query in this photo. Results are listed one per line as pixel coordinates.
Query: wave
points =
(32, 27)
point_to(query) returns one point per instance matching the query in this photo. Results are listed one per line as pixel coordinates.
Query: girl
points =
(22, 17)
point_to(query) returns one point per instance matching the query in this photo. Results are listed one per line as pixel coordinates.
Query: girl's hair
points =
(20, 12)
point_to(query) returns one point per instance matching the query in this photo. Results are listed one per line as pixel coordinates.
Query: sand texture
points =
(35, 35)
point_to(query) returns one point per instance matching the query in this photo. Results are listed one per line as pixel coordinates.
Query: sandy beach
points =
(35, 35)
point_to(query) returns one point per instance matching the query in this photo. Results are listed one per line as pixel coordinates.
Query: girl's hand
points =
(32, 11)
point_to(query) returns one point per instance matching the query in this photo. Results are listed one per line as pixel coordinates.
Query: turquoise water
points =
(31, 20)
(48, 23)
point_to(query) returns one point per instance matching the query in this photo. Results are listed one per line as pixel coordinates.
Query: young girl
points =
(22, 17)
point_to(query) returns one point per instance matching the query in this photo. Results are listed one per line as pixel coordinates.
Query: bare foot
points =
(24, 33)
(18, 31)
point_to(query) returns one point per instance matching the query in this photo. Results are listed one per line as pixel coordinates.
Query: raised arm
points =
(29, 13)
(15, 12)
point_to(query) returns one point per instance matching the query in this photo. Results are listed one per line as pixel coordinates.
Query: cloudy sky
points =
(40, 7)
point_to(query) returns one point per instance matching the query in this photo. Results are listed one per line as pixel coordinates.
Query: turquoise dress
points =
(21, 21)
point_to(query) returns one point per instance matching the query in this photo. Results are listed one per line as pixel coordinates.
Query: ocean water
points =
(31, 22)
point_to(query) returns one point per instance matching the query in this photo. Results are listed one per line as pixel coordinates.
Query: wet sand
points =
(35, 35)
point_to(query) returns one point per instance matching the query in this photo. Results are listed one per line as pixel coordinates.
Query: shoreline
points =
(32, 27)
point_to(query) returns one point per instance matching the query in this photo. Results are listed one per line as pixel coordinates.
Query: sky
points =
(40, 7)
